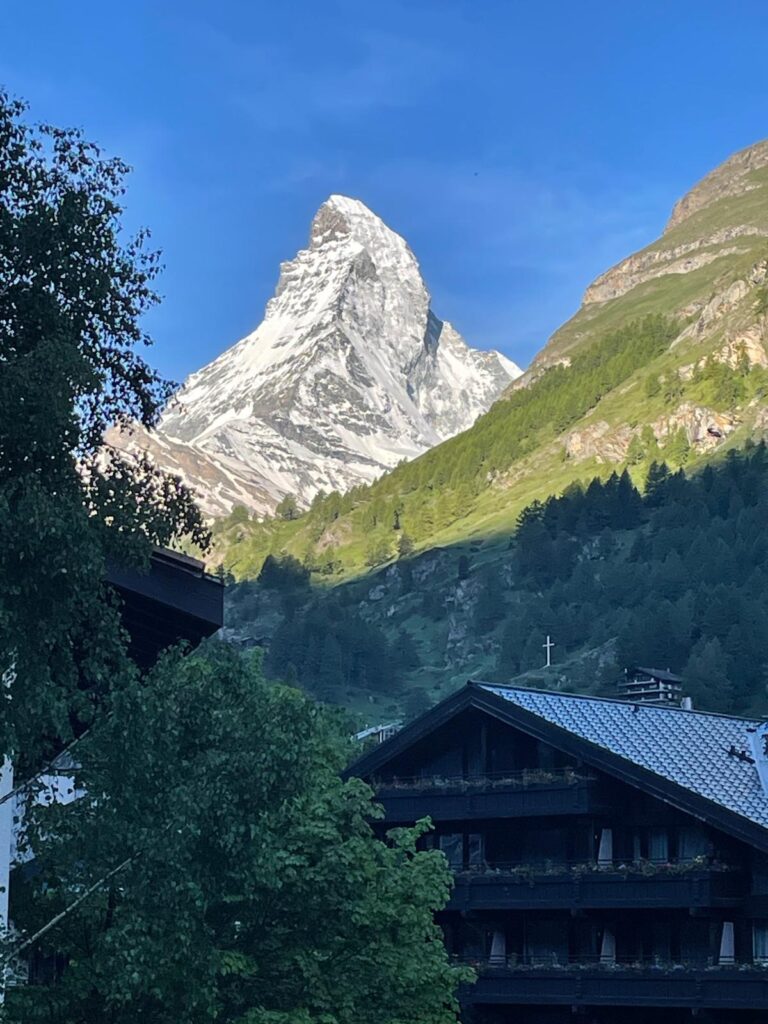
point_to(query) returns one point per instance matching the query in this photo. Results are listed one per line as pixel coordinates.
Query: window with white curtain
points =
(475, 852)
(760, 942)
(452, 846)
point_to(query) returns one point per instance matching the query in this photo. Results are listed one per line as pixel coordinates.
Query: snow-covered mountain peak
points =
(349, 373)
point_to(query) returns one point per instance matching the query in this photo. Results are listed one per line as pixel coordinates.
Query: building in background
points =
(651, 686)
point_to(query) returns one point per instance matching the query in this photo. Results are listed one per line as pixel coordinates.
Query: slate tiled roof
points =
(689, 748)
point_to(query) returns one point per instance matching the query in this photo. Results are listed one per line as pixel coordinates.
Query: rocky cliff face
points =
(709, 260)
(732, 178)
(349, 373)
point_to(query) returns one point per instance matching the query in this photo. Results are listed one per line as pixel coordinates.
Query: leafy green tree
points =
(288, 508)
(73, 291)
(233, 876)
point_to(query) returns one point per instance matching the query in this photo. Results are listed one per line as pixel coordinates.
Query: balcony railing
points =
(528, 869)
(482, 782)
(589, 884)
(585, 962)
(501, 795)
(596, 981)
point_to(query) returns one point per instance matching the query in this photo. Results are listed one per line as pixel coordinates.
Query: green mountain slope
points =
(717, 235)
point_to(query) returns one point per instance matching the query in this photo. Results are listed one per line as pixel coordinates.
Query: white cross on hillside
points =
(549, 645)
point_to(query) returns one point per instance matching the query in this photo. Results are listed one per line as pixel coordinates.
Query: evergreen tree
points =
(706, 678)
(489, 609)
(532, 656)
(288, 508)
(404, 545)
(678, 448)
(330, 672)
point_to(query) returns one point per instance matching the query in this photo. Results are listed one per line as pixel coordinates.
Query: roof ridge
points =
(613, 700)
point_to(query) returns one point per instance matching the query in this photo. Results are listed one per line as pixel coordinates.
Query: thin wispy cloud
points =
(279, 91)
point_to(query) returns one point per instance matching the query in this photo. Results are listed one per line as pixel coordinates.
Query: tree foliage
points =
(254, 890)
(72, 294)
(677, 576)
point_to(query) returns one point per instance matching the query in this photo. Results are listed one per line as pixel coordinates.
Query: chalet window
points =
(727, 953)
(540, 845)
(608, 946)
(498, 953)
(637, 847)
(605, 849)
(475, 852)
(546, 942)
(452, 846)
(692, 843)
(760, 942)
(663, 948)
(658, 846)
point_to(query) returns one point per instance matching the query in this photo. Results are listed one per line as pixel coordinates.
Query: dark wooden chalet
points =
(175, 600)
(610, 858)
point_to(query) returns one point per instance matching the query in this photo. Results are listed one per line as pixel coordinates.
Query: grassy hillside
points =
(680, 293)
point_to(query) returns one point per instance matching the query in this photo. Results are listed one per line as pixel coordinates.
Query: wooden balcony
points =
(522, 887)
(591, 983)
(511, 795)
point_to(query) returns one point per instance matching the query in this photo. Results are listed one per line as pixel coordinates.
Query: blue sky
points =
(521, 147)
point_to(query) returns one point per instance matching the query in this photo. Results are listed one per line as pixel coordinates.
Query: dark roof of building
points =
(662, 674)
(174, 600)
(688, 748)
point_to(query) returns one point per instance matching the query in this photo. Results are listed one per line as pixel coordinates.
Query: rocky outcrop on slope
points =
(705, 429)
(696, 271)
(680, 259)
(729, 179)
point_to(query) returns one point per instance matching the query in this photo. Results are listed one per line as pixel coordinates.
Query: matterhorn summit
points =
(348, 373)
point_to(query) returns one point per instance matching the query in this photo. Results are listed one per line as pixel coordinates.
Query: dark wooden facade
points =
(175, 600)
(583, 891)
